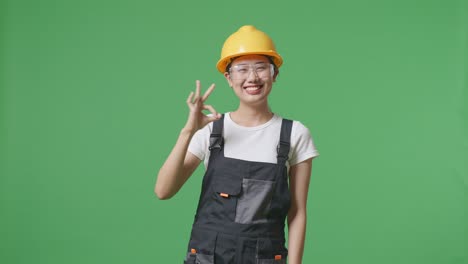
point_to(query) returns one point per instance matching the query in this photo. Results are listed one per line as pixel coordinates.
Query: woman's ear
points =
(228, 79)
(275, 75)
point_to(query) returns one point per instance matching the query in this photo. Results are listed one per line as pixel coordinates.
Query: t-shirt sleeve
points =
(200, 142)
(302, 144)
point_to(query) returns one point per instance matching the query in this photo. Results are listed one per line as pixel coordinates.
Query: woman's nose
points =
(252, 74)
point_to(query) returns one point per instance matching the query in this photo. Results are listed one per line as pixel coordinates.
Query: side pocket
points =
(199, 258)
(271, 251)
(271, 261)
(201, 247)
(254, 204)
(190, 259)
(205, 259)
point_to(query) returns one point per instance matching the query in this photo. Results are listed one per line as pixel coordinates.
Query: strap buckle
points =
(283, 150)
(216, 141)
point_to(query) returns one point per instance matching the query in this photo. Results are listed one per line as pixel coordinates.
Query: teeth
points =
(253, 88)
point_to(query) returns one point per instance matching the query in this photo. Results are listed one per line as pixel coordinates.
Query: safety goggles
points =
(262, 70)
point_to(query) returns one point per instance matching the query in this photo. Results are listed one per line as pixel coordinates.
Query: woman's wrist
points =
(187, 132)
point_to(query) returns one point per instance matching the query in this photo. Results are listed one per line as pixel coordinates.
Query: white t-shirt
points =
(257, 143)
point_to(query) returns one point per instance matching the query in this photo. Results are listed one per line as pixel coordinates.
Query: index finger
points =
(208, 92)
(197, 89)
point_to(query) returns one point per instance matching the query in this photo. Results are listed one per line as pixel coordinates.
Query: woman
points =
(250, 154)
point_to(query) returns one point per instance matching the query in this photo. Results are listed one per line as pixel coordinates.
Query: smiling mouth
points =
(253, 87)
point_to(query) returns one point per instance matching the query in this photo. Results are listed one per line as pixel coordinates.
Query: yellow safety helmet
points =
(246, 41)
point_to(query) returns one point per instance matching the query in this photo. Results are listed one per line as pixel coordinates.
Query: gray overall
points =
(242, 208)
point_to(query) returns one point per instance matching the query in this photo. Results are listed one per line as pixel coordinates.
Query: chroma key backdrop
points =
(92, 99)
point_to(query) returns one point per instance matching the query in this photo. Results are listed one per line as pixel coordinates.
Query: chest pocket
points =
(254, 204)
(226, 192)
(244, 201)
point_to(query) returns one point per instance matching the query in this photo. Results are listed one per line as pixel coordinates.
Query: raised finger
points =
(189, 98)
(208, 92)
(197, 91)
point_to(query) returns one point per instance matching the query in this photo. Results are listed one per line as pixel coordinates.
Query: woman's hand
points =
(180, 163)
(196, 103)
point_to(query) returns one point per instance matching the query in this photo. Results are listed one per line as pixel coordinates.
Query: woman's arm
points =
(180, 164)
(299, 178)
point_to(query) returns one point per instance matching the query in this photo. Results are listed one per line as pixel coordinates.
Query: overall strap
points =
(284, 144)
(216, 137)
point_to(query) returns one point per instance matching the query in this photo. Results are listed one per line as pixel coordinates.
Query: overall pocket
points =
(199, 258)
(226, 191)
(201, 247)
(271, 261)
(271, 251)
(254, 204)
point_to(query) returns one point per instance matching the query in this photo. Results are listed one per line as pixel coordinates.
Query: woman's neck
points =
(251, 116)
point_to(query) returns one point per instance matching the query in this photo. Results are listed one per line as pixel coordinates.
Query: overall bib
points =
(242, 208)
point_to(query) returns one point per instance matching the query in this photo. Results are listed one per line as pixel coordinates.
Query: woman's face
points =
(251, 78)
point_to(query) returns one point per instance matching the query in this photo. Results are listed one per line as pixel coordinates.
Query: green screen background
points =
(93, 96)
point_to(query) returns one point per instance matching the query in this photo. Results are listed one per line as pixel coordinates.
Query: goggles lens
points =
(242, 71)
